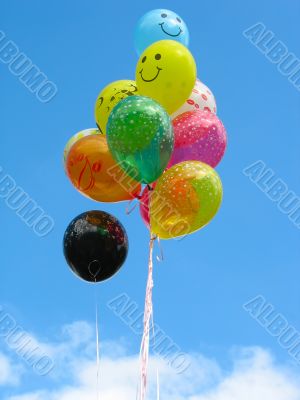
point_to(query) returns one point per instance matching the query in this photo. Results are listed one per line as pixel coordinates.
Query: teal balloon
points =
(140, 137)
(160, 25)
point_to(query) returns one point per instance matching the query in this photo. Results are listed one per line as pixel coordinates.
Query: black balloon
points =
(95, 245)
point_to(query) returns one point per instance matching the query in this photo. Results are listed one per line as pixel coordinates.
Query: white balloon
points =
(201, 98)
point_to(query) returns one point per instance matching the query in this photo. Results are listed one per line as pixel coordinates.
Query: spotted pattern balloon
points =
(140, 137)
(158, 25)
(199, 135)
(185, 199)
(201, 98)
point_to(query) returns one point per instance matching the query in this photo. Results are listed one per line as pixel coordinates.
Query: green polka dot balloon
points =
(140, 137)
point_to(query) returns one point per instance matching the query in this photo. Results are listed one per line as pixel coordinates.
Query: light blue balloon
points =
(160, 25)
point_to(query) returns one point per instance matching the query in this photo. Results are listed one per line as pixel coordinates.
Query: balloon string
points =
(144, 351)
(130, 209)
(157, 384)
(97, 344)
(157, 371)
(160, 257)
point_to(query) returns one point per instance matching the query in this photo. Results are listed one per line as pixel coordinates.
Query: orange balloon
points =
(94, 173)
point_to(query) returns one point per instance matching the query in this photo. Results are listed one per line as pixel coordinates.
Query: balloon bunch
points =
(160, 130)
(158, 140)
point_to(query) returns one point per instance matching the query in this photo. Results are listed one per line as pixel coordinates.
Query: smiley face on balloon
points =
(166, 72)
(169, 20)
(160, 25)
(157, 71)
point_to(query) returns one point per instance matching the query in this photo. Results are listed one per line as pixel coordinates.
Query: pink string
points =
(157, 371)
(129, 209)
(144, 351)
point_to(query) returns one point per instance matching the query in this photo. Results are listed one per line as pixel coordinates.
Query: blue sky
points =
(251, 248)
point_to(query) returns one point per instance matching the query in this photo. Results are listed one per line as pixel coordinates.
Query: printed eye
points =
(157, 56)
(178, 19)
(144, 59)
(100, 100)
(96, 166)
(133, 88)
(164, 15)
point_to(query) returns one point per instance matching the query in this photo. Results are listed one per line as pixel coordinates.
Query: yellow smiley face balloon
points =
(110, 97)
(166, 72)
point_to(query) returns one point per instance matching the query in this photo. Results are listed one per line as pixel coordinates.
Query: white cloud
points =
(253, 375)
(9, 373)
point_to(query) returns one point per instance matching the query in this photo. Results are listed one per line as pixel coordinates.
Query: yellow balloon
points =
(166, 72)
(186, 197)
(110, 96)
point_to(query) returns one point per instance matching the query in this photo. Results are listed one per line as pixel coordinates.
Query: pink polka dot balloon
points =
(201, 98)
(200, 136)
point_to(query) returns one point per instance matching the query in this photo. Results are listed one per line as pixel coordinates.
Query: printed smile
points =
(153, 79)
(167, 33)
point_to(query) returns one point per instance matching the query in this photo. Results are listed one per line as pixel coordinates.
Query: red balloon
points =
(144, 205)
